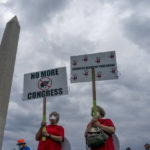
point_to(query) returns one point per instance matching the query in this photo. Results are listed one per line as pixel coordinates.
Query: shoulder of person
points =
(27, 148)
(47, 126)
(107, 120)
(60, 127)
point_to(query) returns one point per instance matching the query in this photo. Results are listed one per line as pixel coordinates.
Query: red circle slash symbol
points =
(45, 84)
(74, 63)
(111, 56)
(98, 59)
(85, 59)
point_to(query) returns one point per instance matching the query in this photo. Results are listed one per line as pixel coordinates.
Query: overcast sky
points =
(54, 30)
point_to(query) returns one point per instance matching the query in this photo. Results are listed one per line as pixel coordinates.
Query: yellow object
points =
(44, 116)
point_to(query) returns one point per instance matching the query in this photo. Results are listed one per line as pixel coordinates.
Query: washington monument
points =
(8, 49)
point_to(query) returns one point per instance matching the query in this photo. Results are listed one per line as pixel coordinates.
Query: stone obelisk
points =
(8, 49)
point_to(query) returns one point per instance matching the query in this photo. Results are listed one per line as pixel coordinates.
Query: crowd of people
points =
(98, 133)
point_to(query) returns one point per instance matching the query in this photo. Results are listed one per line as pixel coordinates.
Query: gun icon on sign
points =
(42, 85)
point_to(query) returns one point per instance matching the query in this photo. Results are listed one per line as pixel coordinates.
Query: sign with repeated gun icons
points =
(104, 64)
(52, 82)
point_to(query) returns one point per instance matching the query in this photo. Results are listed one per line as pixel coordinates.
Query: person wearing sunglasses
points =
(54, 134)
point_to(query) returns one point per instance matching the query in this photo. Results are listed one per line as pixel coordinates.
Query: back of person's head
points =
(147, 146)
(128, 148)
(100, 110)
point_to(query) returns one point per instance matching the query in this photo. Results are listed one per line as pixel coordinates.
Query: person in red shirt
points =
(106, 125)
(54, 134)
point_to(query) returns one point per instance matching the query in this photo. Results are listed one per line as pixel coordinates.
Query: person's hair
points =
(128, 148)
(100, 110)
(147, 144)
(55, 114)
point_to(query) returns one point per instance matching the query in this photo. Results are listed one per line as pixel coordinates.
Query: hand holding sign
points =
(94, 67)
(43, 84)
(43, 124)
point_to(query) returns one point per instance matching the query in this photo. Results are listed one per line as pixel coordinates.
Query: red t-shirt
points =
(50, 144)
(109, 145)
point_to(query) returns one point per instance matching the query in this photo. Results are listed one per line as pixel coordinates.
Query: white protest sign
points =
(104, 64)
(45, 83)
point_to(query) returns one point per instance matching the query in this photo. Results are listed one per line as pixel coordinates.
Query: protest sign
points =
(94, 67)
(103, 63)
(45, 83)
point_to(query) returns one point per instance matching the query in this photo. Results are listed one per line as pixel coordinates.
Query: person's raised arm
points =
(90, 125)
(52, 137)
(108, 129)
(56, 138)
(39, 133)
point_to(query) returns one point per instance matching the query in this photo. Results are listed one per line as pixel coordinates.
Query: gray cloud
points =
(137, 29)
(136, 25)
(125, 100)
(128, 4)
(35, 13)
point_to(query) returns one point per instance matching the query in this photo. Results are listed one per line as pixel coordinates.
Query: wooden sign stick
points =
(94, 92)
(44, 116)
